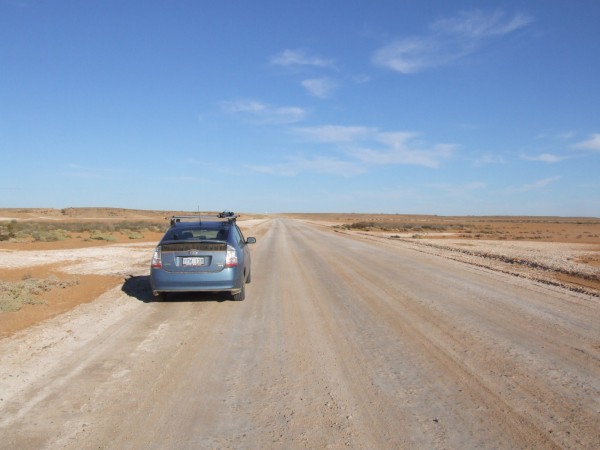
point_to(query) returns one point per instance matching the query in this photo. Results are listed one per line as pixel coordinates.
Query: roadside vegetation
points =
(493, 228)
(29, 291)
(59, 231)
(406, 227)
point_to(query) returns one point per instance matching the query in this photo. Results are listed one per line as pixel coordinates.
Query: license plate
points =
(192, 261)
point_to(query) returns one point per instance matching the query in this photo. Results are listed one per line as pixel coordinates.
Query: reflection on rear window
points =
(197, 234)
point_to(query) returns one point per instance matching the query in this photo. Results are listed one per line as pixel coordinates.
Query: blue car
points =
(202, 254)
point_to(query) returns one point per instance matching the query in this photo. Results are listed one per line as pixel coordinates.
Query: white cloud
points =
(399, 149)
(369, 146)
(488, 158)
(479, 25)
(539, 184)
(359, 149)
(447, 40)
(319, 87)
(545, 157)
(289, 58)
(319, 164)
(265, 113)
(410, 55)
(593, 143)
(542, 183)
(335, 133)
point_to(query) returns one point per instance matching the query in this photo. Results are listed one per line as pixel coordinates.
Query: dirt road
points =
(342, 342)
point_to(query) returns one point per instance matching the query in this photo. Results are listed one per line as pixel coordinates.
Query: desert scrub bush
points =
(50, 236)
(131, 234)
(405, 226)
(7, 230)
(48, 231)
(99, 236)
(13, 295)
(156, 228)
(343, 226)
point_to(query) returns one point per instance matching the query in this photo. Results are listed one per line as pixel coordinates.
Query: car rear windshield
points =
(200, 233)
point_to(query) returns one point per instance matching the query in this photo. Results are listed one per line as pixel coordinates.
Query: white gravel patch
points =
(557, 256)
(119, 259)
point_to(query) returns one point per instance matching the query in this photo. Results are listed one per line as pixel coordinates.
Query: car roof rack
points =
(225, 215)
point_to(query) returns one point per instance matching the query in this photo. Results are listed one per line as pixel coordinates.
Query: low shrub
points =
(50, 236)
(397, 226)
(99, 236)
(50, 231)
(7, 230)
(13, 295)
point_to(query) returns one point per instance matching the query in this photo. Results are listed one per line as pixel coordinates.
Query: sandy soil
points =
(94, 267)
(345, 340)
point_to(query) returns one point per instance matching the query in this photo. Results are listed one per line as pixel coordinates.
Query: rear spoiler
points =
(225, 215)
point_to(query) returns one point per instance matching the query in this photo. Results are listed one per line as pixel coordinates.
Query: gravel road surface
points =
(342, 342)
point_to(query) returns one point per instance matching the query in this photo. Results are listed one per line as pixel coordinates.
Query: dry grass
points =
(104, 224)
(544, 229)
(83, 224)
(47, 231)
(29, 291)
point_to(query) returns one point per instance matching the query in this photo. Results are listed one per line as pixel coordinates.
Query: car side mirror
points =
(251, 240)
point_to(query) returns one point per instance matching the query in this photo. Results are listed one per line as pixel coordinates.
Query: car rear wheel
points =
(240, 295)
(159, 296)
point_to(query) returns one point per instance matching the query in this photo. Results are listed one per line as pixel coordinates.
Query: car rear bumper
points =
(230, 280)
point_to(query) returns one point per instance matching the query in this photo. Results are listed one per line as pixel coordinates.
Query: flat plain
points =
(358, 331)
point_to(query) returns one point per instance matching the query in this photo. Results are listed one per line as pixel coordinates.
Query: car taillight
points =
(231, 259)
(156, 264)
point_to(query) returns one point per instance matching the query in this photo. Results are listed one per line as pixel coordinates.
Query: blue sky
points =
(416, 107)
